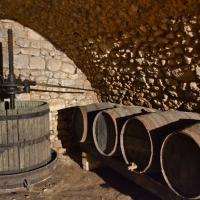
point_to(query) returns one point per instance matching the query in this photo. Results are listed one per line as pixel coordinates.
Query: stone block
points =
(60, 75)
(16, 50)
(36, 73)
(33, 35)
(5, 57)
(56, 104)
(67, 82)
(53, 95)
(68, 68)
(66, 59)
(34, 95)
(30, 51)
(48, 74)
(37, 63)
(7, 25)
(21, 61)
(45, 96)
(67, 95)
(53, 81)
(194, 87)
(198, 72)
(35, 44)
(18, 31)
(23, 73)
(44, 52)
(22, 42)
(52, 53)
(46, 45)
(41, 79)
(57, 143)
(76, 77)
(54, 65)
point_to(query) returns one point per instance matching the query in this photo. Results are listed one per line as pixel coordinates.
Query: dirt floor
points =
(70, 181)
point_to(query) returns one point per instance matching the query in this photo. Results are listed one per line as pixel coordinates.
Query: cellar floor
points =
(70, 182)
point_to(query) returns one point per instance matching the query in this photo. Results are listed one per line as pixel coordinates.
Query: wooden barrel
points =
(108, 123)
(142, 136)
(24, 137)
(83, 119)
(180, 161)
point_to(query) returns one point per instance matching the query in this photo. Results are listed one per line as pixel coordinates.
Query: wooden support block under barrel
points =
(89, 162)
(150, 183)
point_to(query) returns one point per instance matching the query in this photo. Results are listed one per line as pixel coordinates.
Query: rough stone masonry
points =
(133, 52)
(37, 59)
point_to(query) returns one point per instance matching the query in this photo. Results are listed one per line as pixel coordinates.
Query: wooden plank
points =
(22, 126)
(46, 142)
(34, 135)
(152, 185)
(1, 153)
(26, 137)
(36, 145)
(30, 137)
(47, 128)
(48, 132)
(43, 144)
(5, 154)
(34, 120)
(15, 140)
(11, 165)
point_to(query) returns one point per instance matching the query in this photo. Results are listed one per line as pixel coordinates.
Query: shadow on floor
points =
(123, 185)
(115, 180)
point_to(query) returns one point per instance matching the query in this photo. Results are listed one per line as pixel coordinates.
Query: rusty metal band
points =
(24, 116)
(24, 143)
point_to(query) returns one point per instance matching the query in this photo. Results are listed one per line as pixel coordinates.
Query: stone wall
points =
(143, 52)
(158, 66)
(35, 58)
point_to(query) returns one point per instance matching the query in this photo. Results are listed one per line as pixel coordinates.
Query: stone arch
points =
(117, 44)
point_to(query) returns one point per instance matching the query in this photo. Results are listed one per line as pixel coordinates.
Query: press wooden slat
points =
(1, 164)
(21, 138)
(21, 134)
(47, 132)
(10, 141)
(26, 146)
(5, 141)
(38, 144)
(31, 147)
(15, 140)
(34, 145)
